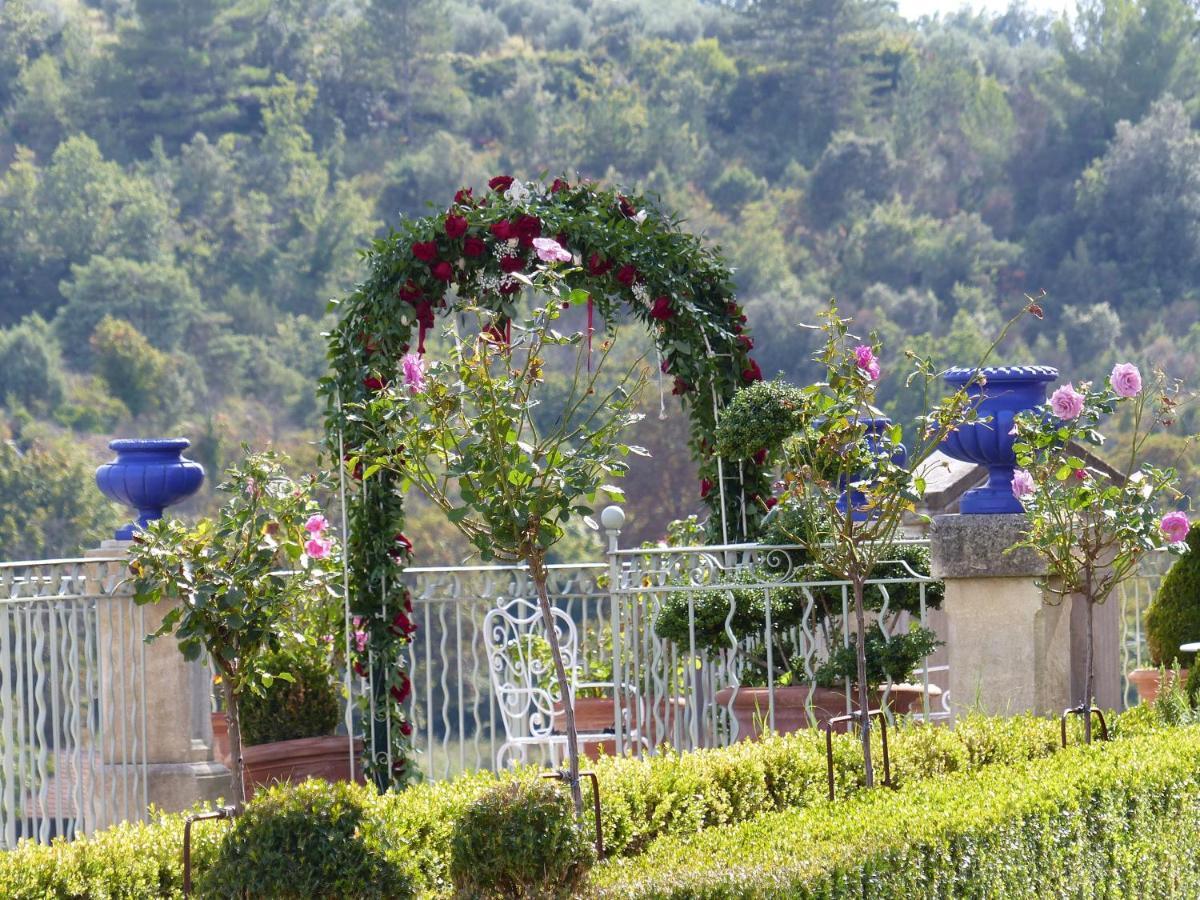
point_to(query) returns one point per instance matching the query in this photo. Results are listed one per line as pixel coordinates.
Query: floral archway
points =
(630, 258)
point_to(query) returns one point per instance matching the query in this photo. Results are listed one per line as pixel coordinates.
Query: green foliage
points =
(31, 366)
(136, 373)
(1173, 616)
(305, 706)
(520, 839)
(315, 839)
(760, 417)
(1127, 806)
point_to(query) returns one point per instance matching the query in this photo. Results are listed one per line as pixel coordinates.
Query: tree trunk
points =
(864, 704)
(1089, 676)
(538, 572)
(235, 742)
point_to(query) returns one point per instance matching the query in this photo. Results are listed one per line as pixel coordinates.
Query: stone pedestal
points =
(1009, 649)
(153, 704)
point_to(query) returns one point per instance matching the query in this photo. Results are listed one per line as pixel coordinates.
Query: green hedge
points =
(1113, 820)
(643, 800)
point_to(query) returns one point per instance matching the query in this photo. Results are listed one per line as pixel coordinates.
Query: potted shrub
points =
(1172, 619)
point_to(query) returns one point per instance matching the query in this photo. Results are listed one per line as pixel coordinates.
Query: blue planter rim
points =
(962, 374)
(149, 444)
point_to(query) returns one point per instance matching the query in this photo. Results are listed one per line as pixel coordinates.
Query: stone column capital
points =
(979, 546)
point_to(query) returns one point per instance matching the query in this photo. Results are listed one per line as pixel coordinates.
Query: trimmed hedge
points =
(1114, 820)
(643, 800)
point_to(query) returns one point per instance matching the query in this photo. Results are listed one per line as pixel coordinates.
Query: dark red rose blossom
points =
(772, 502)
(425, 314)
(512, 264)
(402, 625)
(706, 487)
(426, 252)
(664, 366)
(410, 292)
(502, 230)
(598, 265)
(408, 602)
(752, 372)
(733, 309)
(745, 342)
(443, 271)
(463, 197)
(360, 669)
(559, 185)
(681, 387)
(627, 209)
(456, 226)
(406, 728)
(627, 274)
(761, 456)
(402, 691)
(358, 467)
(402, 542)
(661, 310)
(474, 246)
(501, 183)
(374, 383)
(527, 228)
(510, 288)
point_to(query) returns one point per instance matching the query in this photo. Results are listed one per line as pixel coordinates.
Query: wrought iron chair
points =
(525, 685)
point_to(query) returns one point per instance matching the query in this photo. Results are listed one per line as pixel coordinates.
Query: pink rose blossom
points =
(316, 524)
(865, 359)
(550, 250)
(1066, 402)
(360, 640)
(318, 548)
(1022, 484)
(1126, 380)
(414, 373)
(1175, 526)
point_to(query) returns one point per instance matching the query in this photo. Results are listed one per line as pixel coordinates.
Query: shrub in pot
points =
(1172, 619)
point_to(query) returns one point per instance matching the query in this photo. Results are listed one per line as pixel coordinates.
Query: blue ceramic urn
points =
(1006, 391)
(899, 456)
(148, 475)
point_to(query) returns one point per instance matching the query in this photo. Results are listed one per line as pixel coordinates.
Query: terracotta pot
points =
(751, 705)
(1148, 683)
(220, 731)
(319, 757)
(593, 715)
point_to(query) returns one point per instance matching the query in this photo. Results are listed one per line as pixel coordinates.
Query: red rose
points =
(681, 387)
(745, 342)
(358, 467)
(627, 274)
(661, 309)
(456, 226)
(527, 228)
(732, 309)
(474, 246)
(408, 601)
(463, 197)
(403, 690)
(761, 456)
(512, 264)
(372, 383)
(664, 366)
(443, 271)
(425, 313)
(502, 230)
(402, 542)
(772, 502)
(360, 669)
(501, 183)
(426, 252)
(559, 185)
(510, 288)
(627, 209)
(752, 372)
(406, 728)
(598, 265)
(402, 625)
(398, 766)
(410, 292)
(706, 487)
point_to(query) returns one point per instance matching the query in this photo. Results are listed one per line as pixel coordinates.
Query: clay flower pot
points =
(1149, 682)
(593, 715)
(296, 760)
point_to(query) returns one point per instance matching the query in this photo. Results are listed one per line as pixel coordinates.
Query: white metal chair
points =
(525, 684)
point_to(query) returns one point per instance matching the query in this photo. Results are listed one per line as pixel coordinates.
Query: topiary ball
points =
(314, 839)
(520, 839)
(305, 707)
(1173, 617)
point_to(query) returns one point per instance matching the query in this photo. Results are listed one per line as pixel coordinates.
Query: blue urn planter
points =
(1007, 390)
(148, 475)
(899, 456)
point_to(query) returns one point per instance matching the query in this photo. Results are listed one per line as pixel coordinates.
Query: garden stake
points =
(565, 776)
(854, 717)
(221, 812)
(1083, 711)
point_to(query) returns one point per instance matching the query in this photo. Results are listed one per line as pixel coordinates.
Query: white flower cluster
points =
(488, 283)
(504, 249)
(640, 292)
(517, 193)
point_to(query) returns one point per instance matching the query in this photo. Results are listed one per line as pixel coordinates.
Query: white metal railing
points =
(72, 700)
(1134, 596)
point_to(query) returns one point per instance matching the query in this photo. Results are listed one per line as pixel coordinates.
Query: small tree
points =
(1092, 527)
(846, 476)
(245, 579)
(465, 434)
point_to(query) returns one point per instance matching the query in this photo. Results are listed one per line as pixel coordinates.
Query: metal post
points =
(613, 519)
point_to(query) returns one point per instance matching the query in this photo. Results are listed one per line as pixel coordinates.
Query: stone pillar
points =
(1009, 650)
(150, 698)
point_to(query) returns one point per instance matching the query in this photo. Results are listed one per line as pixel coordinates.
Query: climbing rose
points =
(414, 373)
(1022, 484)
(598, 265)
(318, 548)
(406, 728)
(559, 185)
(680, 387)
(752, 372)
(502, 230)
(627, 274)
(1175, 526)
(706, 487)
(550, 250)
(443, 271)
(1126, 380)
(374, 383)
(511, 264)
(426, 251)
(463, 197)
(410, 292)
(456, 226)
(864, 358)
(403, 690)
(627, 209)
(316, 524)
(662, 309)
(473, 246)
(501, 183)
(1066, 402)
(527, 228)
(360, 641)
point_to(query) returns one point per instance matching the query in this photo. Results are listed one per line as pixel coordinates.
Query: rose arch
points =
(631, 259)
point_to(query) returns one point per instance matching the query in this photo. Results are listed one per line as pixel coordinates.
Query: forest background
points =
(185, 184)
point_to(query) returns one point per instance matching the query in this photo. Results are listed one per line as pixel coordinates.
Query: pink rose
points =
(318, 548)
(360, 640)
(1126, 380)
(414, 373)
(316, 524)
(864, 358)
(1066, 402)
(1022, 484)
(550, 250)
(1175, 526)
